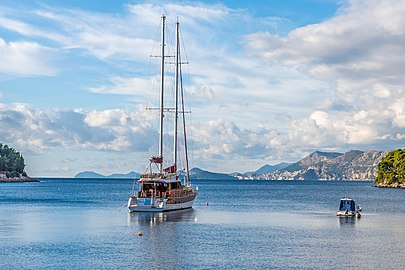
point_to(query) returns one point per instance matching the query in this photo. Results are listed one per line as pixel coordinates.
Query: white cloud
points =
(133, 86)
(320, 118)
(221, 74)
(335, 85)
(190, 13)
(360, 53)
(220, 145)
(27, 29)
(398, 109)
(114, 118)
(26, 58)
(356, 43)
(111, 37)
(34, 129)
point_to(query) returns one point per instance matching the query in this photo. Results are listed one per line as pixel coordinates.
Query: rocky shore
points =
(390, 185)
(5, 179)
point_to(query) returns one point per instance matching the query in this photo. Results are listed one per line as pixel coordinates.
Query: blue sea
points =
(84, 224)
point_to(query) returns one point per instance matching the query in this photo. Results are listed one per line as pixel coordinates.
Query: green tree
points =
(391, 169)
(11, 161)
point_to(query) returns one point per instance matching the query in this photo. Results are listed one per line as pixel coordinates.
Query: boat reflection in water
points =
(156, 218)
(348, 221)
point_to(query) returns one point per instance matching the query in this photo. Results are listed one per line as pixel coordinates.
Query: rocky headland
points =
(391, 170)
(12, 166)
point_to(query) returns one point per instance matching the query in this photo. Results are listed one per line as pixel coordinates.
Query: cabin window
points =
(175, 185)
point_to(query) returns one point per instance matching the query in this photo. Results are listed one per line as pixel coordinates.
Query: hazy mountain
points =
(90, 174)
(131, 174)
(197, 173)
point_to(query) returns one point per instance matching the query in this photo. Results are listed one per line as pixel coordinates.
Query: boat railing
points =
(157, 175)
(150, 194)
(179, 193)
(151, 176)
(164, 194)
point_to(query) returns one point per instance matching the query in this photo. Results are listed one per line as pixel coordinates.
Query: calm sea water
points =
(84, 224)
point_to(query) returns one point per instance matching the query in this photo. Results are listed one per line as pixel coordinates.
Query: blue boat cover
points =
(347, 205)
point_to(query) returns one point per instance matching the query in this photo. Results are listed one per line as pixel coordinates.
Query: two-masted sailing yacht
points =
(160, 189)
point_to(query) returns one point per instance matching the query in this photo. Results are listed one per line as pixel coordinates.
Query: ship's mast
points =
(179, 88)
(176, 95)
(162, 76)
(184, 131)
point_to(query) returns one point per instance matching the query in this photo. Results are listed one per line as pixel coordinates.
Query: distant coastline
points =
(354, 165)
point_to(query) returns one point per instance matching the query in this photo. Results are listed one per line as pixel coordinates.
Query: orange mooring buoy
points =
(140, 233)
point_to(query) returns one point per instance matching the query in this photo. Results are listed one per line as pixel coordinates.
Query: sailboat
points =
(160, 189)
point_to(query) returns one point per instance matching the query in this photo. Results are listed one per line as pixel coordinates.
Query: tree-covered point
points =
(391, 169)
(11, 162)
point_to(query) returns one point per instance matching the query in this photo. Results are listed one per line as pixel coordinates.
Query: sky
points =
(268, 81)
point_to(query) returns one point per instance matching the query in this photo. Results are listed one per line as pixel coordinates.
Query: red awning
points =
(171, 169)
(156, 159)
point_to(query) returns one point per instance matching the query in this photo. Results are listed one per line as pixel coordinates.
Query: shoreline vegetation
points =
(12, 166)
(391, 170)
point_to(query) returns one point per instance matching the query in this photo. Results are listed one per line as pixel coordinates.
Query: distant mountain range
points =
(195, 173)
(352, 165)
(90, 174)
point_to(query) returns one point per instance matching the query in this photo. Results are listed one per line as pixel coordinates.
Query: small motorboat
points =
(348, 208)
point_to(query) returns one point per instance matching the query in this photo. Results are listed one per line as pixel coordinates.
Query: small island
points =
(12, 166)
(391, 170)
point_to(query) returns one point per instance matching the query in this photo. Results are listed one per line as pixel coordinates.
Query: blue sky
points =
(269, 81)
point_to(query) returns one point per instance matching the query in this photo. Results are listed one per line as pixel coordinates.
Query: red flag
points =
(156, 159)
(171, 169)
